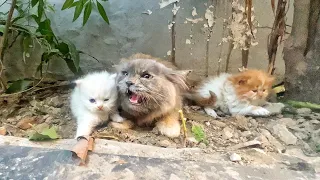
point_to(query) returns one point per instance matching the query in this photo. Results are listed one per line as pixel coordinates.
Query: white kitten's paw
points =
(171, 130)
(211, 112)
(117, 118)
(260, 111)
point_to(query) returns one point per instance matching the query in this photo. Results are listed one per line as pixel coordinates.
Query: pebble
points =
(284, 134)
(202, 145)
(207, 123)
(164, 143)
(246, 133)
(304, 111)
(227, 133)
(234, 157)
(287, 122)
(254, 123)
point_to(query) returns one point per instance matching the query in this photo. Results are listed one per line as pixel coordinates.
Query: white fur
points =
(227, 99)
(98, 86)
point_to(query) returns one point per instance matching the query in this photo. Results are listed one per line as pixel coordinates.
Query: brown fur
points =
(160, 93)
(201, 101)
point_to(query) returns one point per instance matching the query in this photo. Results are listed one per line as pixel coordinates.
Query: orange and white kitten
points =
(240, 94)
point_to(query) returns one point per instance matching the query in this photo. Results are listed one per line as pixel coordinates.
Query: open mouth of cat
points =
(134, 98)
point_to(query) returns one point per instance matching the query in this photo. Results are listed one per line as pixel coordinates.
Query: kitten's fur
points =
(149, 92)
(93, 101)
(235, 94)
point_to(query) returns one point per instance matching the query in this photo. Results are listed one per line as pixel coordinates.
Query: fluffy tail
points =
(202, 101)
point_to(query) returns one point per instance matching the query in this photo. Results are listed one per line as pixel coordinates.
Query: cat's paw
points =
(125, 124)
(260, 111)
(170, 130)
(117, 118)
(211, 112)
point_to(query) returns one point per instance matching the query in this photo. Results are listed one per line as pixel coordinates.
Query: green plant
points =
(199, 134)
(32, 24)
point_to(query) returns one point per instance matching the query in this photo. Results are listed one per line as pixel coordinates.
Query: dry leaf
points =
(3, 131)
(82, 147)
(26, 123)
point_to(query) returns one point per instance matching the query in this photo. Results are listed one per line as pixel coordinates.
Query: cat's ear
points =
(178, 78)
(184, 73)
(241, 79)
(270, 80)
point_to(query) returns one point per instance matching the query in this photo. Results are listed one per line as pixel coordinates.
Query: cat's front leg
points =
(169, 125)
(84, 128)
(249, 110)
(116, 117)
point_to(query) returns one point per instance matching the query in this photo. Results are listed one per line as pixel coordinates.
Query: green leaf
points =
(74, 55)
(63, 48)
(87, 12)
(18, 86)
(36, 18)
(78, 10)
(102, 12)
(67, 4)
(34, 2)
(46, 134)
(45, 29)
(40, 9)
(199, 134)
(74, 4)
(298, 104)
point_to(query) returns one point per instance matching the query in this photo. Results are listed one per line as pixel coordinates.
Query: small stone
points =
(24, 123)
(254, 123)
(314, 121)
(12, 121)
(272, 140)
(164, 143)
(3, 131)
(218, 123)
(234, 157)
(227, 133)
(55, 102)
(246, 133)
(202, 145)
(301, 135)
(304, 111)
(287, 122)
(207, 123)
(284, 134)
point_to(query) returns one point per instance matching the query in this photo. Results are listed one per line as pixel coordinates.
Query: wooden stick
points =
(183, 119)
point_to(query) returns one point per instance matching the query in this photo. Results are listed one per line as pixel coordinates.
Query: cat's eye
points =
(146, 75)
(125, 73)
(106, 100)
(264, 90)
(255, 91)
(92, 100)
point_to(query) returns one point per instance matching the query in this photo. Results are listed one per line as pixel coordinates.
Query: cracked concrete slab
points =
(22, 159)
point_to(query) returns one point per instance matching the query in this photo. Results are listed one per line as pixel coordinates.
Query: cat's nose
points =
(100, 107)
(129, 83)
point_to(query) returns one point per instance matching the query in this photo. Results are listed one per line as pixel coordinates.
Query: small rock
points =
(287, 122)
(315, 136)
(227, 133)
(24, 123)
(218, 123)
(207, 123)
(301, 135)
(234, 157)
(304, 111)
(246, 133)
(254, 123)
(55, 102)
(164, 143)
(3, 131)
(284, 134)
(202, 145)
(279, 147)
(12, 121)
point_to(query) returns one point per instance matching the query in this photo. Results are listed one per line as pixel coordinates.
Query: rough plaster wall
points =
(130, 31)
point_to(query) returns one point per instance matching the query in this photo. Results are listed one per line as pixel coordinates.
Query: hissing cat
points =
(235, 94)
(149, 92)
(93, 101)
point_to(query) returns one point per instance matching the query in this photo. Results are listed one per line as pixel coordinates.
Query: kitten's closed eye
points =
(106, 100)
(92, 100)
(255, 90)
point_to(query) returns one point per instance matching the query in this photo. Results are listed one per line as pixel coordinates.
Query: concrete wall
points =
(131, 31)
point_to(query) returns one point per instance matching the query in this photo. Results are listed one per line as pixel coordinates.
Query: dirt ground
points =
(294, 128)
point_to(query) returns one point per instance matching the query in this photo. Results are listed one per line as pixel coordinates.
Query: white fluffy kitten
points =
(235, 94)
(93, 101)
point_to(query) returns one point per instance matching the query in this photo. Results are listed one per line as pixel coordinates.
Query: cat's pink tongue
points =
(134, 99)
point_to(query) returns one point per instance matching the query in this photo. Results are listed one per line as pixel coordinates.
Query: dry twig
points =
(183, 119)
